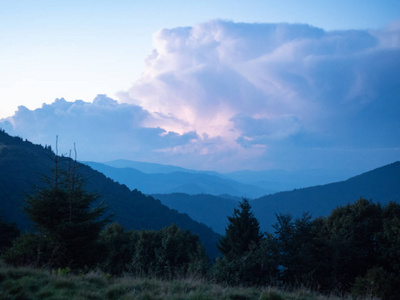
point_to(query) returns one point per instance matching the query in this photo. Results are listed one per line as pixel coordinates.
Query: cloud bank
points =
(102, 130)
(223, 96)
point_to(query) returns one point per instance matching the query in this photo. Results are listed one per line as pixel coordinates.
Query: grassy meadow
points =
(29, 283)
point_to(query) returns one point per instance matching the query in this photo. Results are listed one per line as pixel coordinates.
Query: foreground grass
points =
(27, 283)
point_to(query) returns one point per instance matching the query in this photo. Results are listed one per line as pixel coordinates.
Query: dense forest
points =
(355, 249)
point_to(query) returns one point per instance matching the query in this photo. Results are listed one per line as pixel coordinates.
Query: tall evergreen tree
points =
(246, 260)
(243, 232)
(67, 219)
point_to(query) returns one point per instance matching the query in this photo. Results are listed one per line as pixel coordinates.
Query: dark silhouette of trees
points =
(116, 249)
(243, 232)
(354, 249)
(353, 230)
(168, 253)
(299, 249)
(245, 258)
(67, 220)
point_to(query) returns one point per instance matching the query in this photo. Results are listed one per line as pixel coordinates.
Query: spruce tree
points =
(243, 232)
(246, 259)
(67, 219)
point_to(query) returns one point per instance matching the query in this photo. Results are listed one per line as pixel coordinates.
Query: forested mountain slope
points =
(24, 165)
(380, 185)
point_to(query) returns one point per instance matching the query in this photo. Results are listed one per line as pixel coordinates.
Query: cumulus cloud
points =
(102, 130)
(268, 86)
(224, 95)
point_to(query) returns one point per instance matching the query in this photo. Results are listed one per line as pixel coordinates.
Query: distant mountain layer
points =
(145, 167)
(266, 181)
(286, 180)
(183, 181)
(380, 185)
(24, 165)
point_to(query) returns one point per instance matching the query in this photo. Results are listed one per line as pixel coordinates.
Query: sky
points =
(212, 85)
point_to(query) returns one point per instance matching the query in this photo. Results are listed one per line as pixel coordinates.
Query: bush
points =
(24, 251)
(377, 283)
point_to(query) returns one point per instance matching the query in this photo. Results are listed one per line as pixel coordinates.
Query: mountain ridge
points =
(23, 165)
(375, 185)
(380, 185)
(192, 182)
(158, 178)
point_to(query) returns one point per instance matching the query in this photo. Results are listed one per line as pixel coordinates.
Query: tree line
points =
(355, 249)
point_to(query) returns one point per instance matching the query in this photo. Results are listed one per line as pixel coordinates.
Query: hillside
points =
(381, 185)
(23, 166)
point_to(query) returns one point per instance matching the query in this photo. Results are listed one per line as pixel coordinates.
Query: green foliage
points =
(67, 222)
(242, 233)
(255, 267)
(355, 248)
(352, 236)
(330, 253)
(26, 250)
(301, 249)
(63, 271)
(247, 258)
(117, 249)
(388, 240)
(168, 253)
(181, 252)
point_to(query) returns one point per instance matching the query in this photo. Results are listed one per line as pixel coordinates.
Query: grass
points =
(28, 283)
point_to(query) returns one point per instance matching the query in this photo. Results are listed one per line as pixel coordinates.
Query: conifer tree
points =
(246, 259)
(243, 232)
(67, 219)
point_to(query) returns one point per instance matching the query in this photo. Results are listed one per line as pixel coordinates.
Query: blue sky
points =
(78, 49)
(200, 85)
